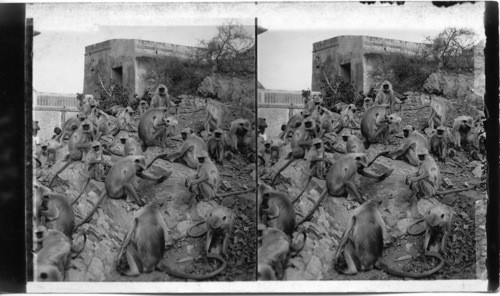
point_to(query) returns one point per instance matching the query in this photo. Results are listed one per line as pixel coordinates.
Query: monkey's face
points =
(440, 132)
(386, 86)
(162, 90)
(93, 103)
(218, 136)
(97, 148)
(361, 161)
(317, 146)
(406, 133)
(86, 126)
(57, 131)
(201, 159)
(421, 157)
(140, 164)
(308, 123)
(283, 127)
(123, 140)
(184, 136)
(345, 138)
(267, 145)
(44, 147)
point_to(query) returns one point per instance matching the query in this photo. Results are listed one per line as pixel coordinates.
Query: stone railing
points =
(272, 98)
(55, 100)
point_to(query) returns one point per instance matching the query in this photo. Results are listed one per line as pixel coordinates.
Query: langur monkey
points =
(339, 179)
(219, 221)
(462, 127)
(88, 107)
(301, 143)
(217, 144)
(347, 117)
(118, 183)
(385, 96)
(192, 146)
(275, 150)
(205, 182)
(339, 107)
(329, 122)
(237, 133)
(49, 148)
(130, 145)
(123, 121)
(143, 106)
(375, 124)
(71, 125)
(294, 122)
(161, 99)
(54, 258)
(438, 112)
(274, 252)
(276, 209)
(115, 110)
(414, 141)
(52, 210)
(438, 220)
(311, 105)
(428, 177)
(439, 142)
(363, 241)
(144, 246)
(152, 126)
(213, 118)
(78, 145)
(367, 103)
(94, 166)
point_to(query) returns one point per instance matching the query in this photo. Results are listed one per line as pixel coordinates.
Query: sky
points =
(284, 51)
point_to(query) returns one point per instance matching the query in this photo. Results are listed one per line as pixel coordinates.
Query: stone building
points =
(125, 60)
(351, 57)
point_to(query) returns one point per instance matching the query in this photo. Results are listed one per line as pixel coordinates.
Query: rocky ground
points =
(466, 249)
(109, 225)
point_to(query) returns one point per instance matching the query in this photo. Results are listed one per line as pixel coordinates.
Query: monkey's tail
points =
(79, 251)
(202, 233)
(85, 220)
(179, 274)
(455, 190)
(408, 229)
(385, 267)
(377, 156)
(295, 249)
(154, 159)
(308, 216)
(282, 168)
(305, 187)
(59, 171)
(79, 195)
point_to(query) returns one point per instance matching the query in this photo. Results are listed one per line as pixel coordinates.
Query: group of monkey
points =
(316, 129)
(92, 133)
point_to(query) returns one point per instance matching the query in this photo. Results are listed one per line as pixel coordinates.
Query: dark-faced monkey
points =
(414, 141)
(367, 103)
(439, 142)
(363, 242)
(462, 127)
(219, 221)
(152, 126)
(428, 177)
(49, 148)
(237, 133)
(205, 182)
(217, 144)
(385, 96)
(214, 115)
(54, 258)
(375, 125)
(276, 209)
(161, 98)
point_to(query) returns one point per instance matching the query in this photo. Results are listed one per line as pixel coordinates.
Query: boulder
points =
(450, 85)
(224, 88)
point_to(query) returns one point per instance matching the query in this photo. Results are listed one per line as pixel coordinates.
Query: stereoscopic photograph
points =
(179, 144)
(375, 155)
(142, 145)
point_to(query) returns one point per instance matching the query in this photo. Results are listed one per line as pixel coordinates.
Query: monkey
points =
(462, 127)
(123, 122)
(118, 182)
(439, 142)
(213, 118)
(53, 259)
(94, 166)
(276, 209)
(385, 96)
(206, 181)
(438, 112)
(192, 145)
(318, 164)
(438, 220)
(275, 150)
(329, 122)
(93, 118)
(363, 241)
(339, 179)
(161, 98)
(476, 133)
(367, 103)
(35, 128)
(339, 107)
(301, 142)
(53, 210)
(311, 105)
(78, 145)
(152, 126)
(219, 221)
(88, 107)
(414, 141)
(428, 177)
(274, 252)
(71, 125)
(237, 133)
(375, 125)
(256, 135)
(143, 106)
(216, 145)
(57, 132)
(294, 122)
(130, 145)
(347, 117)
(353, 144)
(105, 125)
(49, 148)
(115, 110)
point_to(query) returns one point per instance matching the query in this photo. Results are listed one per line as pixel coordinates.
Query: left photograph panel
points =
(143, 145)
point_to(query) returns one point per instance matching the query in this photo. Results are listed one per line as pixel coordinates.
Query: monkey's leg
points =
(443, 240)
(349, 255)
(426, 188)
(354, 191)
(209, 238)
(132, 256)
(279, 269)
(163, 225)
(225, 243)
(427, 238)
(303, 190)
(131, 191)
(206, 190)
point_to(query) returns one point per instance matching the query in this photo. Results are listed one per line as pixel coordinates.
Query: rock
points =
(203, 207)
(423, 205)
(450, 85)
(183, 226)
(478, 172)
(313, 269)
(228, 88)
(403, 224)
(449, 199)
(447, 183)
(225, 185)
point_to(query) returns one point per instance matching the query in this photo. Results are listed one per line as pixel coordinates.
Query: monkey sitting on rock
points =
(205, 182)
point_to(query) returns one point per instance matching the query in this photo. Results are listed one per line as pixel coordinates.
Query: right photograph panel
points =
(372, 165)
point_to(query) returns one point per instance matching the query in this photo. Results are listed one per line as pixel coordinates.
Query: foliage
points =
(181, 76)
(305, 94)
(452, 49)
(405, 72)
(231, 50)
(336, 89)
(111, 92)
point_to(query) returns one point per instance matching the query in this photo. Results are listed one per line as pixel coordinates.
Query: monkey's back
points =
(65, 214)
(368, 121)
(122, 172)
(145, 128)
(275, 247)
(341, 170)
(149, 238)
(367, 237)
(286, 219)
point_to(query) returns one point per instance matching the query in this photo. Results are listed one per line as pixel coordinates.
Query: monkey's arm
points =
(151, 178)
(272, 211)
(163, 225)
(419, 177)
(345, 237)
(354, 191)
(126, 241)
(367, 174)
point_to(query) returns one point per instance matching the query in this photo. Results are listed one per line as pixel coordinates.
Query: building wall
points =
(123, 53)
(47, 111)
(350, 50)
